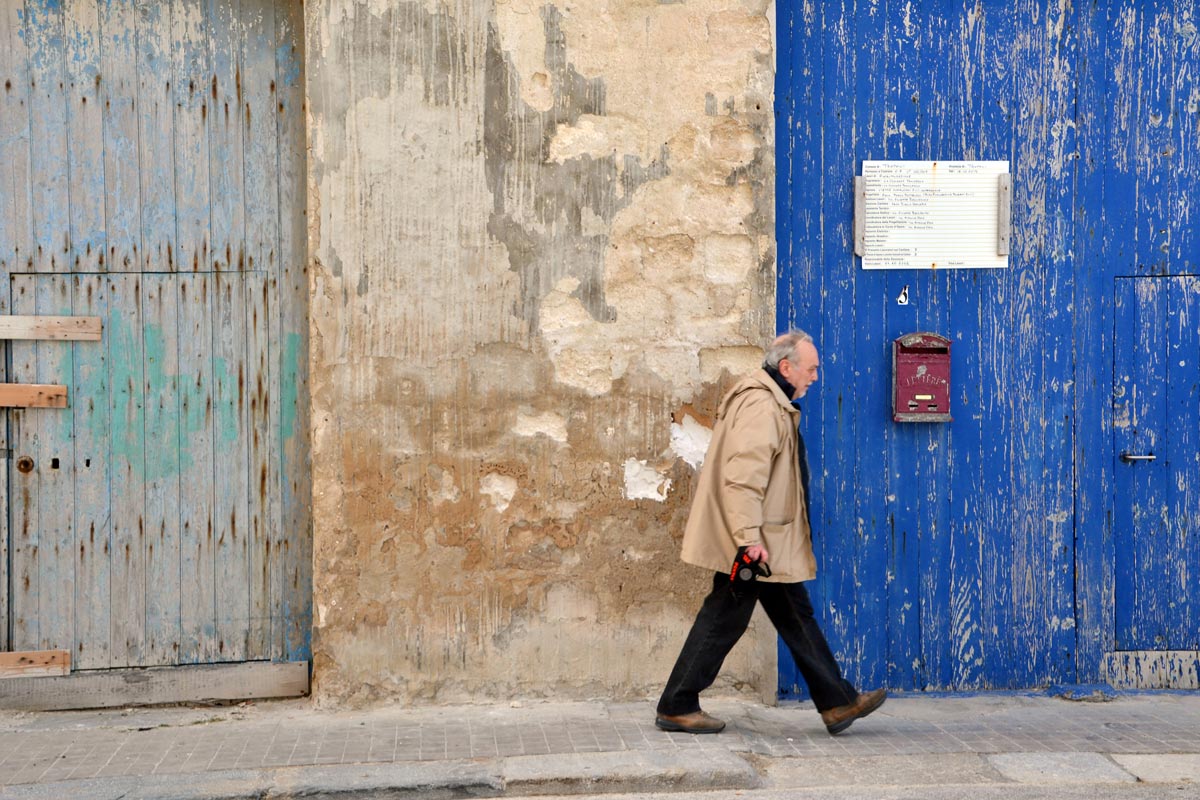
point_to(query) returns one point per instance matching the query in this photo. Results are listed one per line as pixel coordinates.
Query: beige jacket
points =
(749, 490)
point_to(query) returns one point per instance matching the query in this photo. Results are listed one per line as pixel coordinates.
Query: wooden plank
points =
(1060, 64)
(897, 121)
(802, 66)
(35, 664)
(50, 159)
(225, 129)
(967, 135)
(264, 507)
(127, 465)
(295, 535)
(119, 688)
(937, 98)
(1092, 273)
(999, 366)
(197, 587)
(33, 395)
(16, 186)
(55, 467)
(119, 86)
(1182, 543)
(93, 514)
(85, 136)
(261, 144)
(157, 90)
(24, 486)
(80, 329)
(192, 87)
(160, 313)
(260, 138)
(231, 481)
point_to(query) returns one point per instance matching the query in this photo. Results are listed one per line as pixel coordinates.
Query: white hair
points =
(785, 347)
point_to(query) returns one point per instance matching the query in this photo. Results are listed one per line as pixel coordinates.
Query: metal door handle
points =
(1128, 457)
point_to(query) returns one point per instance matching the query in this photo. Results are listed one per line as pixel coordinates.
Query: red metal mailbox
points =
(921, 378)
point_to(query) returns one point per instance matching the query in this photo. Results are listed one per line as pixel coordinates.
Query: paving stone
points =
(1163, 768)
(1056, 768)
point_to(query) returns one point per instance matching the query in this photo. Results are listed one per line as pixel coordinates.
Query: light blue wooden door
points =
(152, 165)
(1156, 446)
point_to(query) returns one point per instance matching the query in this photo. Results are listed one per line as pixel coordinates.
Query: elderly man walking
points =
(753, 493)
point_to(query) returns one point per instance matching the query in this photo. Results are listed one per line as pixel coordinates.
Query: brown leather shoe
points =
(838, 719)
(697, 722)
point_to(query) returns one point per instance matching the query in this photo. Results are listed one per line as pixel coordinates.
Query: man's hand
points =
(757, 552)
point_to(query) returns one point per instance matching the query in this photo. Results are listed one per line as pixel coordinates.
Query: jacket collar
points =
(765, 380)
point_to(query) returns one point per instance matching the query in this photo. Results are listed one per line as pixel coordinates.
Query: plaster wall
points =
(542, 243)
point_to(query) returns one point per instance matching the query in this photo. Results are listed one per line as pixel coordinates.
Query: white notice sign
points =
(932, 214)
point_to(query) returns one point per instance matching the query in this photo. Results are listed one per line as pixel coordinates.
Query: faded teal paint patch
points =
(290, 384)
(228, 426)
(128, 434)
(162, 424)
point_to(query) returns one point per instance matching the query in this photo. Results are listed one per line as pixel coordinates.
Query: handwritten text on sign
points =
(932, 214)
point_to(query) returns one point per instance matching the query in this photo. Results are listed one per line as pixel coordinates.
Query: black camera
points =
(746, 569)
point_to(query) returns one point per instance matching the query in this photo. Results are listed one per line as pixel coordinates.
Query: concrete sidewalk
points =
(288, 749)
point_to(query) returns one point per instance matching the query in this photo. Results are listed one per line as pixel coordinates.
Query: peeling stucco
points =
(539, 232)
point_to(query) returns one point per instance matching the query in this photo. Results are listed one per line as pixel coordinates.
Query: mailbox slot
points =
(921, 378)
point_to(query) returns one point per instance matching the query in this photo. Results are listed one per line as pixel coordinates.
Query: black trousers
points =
(721, 622)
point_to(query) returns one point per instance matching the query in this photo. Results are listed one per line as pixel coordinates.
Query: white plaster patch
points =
(447, 490)
(643, 482)
(599, 137)
(548, 424)
(690, 440)
(500, 488)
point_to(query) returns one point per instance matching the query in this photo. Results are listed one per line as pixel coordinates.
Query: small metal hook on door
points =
(902, 298)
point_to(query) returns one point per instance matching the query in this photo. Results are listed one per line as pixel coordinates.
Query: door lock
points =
(1129, 458)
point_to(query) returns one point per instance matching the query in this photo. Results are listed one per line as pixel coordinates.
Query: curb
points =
(624, 771)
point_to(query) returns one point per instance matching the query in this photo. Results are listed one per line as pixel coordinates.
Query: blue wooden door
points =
(1156, 444)
(990, 552)
(152, 175)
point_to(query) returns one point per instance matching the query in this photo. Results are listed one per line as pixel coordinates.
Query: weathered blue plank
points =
(197, 546)
(801, 70)
(127, 462)
(225, 147)
(1061, 69)
(93, 513)
(54, 466)
(294, 544)
(834, 502)
(85, 137)
(1182, 543)
(262, 255)
(1092, 270)
(24, 483)
(122, 157)
(935, 98)
(231, 482)
(895, 105)
(192, 89)
(160, 332)
(43, 31)
(156, 135)
(16, 210)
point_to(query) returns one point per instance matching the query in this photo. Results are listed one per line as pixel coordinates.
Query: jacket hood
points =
(756, 381)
